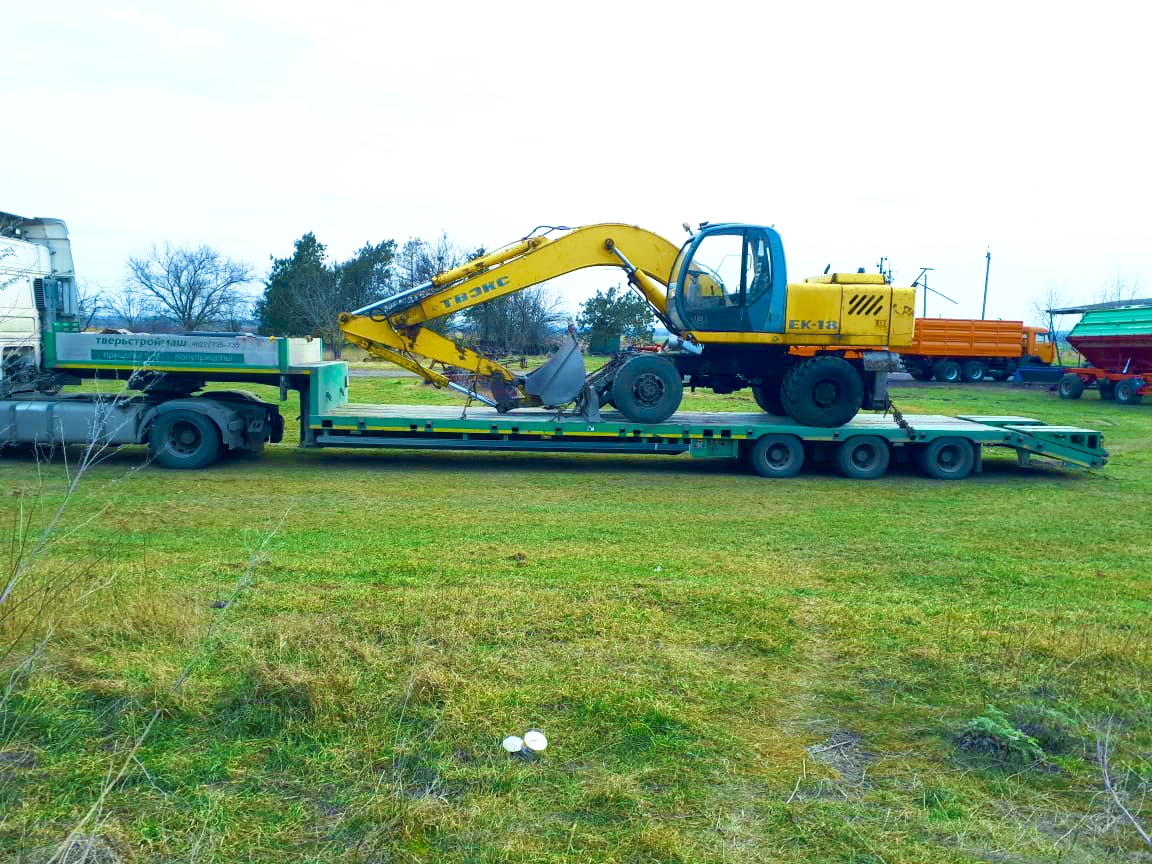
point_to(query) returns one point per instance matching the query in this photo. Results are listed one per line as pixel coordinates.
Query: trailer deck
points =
(703, 435)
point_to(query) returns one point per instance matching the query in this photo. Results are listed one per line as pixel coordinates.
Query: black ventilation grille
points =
(38, 292)
(865, 304)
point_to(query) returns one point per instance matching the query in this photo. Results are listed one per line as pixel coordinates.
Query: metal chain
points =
(908, 428)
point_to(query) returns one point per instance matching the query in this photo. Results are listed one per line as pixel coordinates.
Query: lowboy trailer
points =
(946, 448)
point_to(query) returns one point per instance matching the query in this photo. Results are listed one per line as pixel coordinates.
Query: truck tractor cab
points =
(1038, 346)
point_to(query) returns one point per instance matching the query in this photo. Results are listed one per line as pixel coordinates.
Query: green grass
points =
(728, 668)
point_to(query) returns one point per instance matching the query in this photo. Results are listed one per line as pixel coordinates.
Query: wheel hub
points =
(648, 389)
(825, 393)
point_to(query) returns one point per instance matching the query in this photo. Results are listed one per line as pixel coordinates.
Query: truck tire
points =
(1000, 374)
(948, 458)
(767, 396)
(647, 389)
(777, 456)
(1107, 388)
(184, 439)
(1128, 392)
(823, 391)
(948, 371)
(1070, 387)
(863, 457)
(974, 371)
(921, 373)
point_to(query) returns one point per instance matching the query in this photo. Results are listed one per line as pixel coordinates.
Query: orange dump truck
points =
(959, 349)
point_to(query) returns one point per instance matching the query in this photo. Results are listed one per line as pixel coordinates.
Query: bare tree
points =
(1118, 289)
(1041, 306)
(521, 323)
(130, 308)
(192, 286)
(91, 300)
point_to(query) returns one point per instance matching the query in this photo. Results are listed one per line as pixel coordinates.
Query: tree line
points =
(196, 288)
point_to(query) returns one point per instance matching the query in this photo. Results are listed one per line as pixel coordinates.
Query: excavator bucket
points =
(561, 379)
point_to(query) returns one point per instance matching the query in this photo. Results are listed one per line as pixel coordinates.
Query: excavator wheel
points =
(767, 396)
(823, 391)
(647, 389)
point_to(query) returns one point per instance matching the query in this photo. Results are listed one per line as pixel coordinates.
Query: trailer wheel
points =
(1128, 392)
(974, 371)
(863, 457)
(948, 371)
(767, 396)
(777, 456)
(823, 391)
(1070, 387)
(647, 389)
(184, 439)
(947, 458)
(1107, 388)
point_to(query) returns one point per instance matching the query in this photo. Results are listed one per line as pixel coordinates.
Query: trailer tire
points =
(647, 389)
(948, 372)
(1107, 388)
(1128, 392)
(823, 391)
(974, 371)
(948, 458)
(863, 457)
(184, 439)
(767, 396)
(777, 456)
(1070, 387)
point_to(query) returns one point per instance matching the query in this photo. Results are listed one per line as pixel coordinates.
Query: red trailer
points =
(1116, 339)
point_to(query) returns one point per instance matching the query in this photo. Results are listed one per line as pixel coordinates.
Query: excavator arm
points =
(393, 328)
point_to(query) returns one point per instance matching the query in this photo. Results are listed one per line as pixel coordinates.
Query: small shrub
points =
(993, 734)
(1053, 730)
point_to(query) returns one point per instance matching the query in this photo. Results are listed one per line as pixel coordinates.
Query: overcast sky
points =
(924, 132)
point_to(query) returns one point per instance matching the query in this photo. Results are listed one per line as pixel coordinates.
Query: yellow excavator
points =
(816, 351)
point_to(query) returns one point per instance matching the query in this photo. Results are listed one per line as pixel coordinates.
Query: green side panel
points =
(1115, 322)
(327, 387)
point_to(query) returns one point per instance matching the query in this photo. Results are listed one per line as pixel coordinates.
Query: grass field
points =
(325, 648)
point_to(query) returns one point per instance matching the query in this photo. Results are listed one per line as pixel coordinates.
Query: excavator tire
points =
(823, 391)
(647, 389)
(767, 396)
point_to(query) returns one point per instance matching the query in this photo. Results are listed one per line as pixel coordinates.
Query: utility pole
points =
(922, 282)
(987, 267)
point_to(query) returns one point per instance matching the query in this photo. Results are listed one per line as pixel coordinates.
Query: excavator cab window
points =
(722, 279)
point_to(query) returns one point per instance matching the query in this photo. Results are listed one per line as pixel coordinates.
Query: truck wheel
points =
(947, 458)
(1107, 388)
(1128, 392)
(767, 396)
(777, 456)
(647, 389)
(921, 374)
(1000, 374)
(823, 391)
(1070, 387)
(974, 371)
(863, 457)
(184, 439)
(947, 371)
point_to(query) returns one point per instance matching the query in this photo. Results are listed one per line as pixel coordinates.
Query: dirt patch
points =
(843, 753)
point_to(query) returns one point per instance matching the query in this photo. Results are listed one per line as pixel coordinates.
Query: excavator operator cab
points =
(729, 279)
